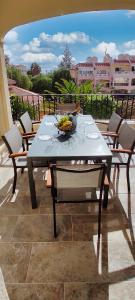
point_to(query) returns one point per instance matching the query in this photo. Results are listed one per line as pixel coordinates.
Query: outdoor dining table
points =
(50, 145)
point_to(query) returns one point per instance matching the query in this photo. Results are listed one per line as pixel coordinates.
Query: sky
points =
(86, 34)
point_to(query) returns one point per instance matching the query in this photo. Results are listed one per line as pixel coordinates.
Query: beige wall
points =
(14, 13)
(5, 110)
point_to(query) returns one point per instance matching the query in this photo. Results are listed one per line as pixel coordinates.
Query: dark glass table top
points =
(85, 143)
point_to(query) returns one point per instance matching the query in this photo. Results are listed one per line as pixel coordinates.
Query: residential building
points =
(116, 75)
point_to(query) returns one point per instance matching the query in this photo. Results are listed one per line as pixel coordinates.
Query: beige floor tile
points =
(17, 204)
(37, 228)
(116, 257)
(85, 291)
(114, 206)
(7, 227)
(52, 291)
(62, 262)
(70, 208)
(72, 266)
(123, 290)
(14, 260)
(85, 227)
(81, 262)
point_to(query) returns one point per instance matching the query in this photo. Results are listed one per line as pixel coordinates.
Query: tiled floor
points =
(34, 266)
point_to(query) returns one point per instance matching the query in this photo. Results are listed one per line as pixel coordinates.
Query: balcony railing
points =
(98, 105)
(121, 84)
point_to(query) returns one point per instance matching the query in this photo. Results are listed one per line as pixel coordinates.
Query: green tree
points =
(26, 82)
(41, 83)
(35, 69)
(66, 61)
(70, 87)
(15, 74)
(57, 76)
(22, 80)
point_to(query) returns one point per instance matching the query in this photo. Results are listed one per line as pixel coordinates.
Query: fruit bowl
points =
(66, 124)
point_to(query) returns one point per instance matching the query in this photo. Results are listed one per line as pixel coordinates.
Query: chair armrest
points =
(36, 122)
(109, 133)
(126, 151)
(106, 181)
(28, 136)
(28, 133)
(17, 154)
(48, 178)
(102, 122)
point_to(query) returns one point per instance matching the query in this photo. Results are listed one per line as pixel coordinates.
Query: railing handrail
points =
(99, 105)
(88, 94)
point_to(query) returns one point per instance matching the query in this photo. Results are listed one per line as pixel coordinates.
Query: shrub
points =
(18, 107)
(99, 106)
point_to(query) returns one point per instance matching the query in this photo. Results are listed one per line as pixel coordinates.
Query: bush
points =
(18, 107)
(99, 106)
(41, 83)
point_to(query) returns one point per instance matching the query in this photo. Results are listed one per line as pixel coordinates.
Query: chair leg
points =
(54, 218)
(15, 180)
(105, 200)
(118, 169)
(27, 145)
(22, 170)
(99, 220)
(128, 179)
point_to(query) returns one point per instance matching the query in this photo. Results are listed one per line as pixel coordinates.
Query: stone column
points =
(5, 109)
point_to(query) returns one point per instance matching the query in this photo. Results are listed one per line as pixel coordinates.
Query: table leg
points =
(32, 184)
(106, 189)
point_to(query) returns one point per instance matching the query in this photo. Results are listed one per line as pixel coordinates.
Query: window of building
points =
(117, 69)
(133, 81)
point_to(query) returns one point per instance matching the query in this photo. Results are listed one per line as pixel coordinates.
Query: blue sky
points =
(87, 34)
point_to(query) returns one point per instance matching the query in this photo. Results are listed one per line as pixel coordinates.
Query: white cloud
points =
(70, 38)
(44, 36)
(11, 37)
(30, 57)
(110, 48)
(129, 44)
(33, 46)
(131, 51)
(131, 13)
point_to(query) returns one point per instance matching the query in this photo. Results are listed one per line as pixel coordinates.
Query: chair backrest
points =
(26, 122)
(127, 136)
(114, 122)
(91, 176)
(13, 139)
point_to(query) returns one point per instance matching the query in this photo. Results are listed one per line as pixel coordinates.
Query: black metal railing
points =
(100, 106)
